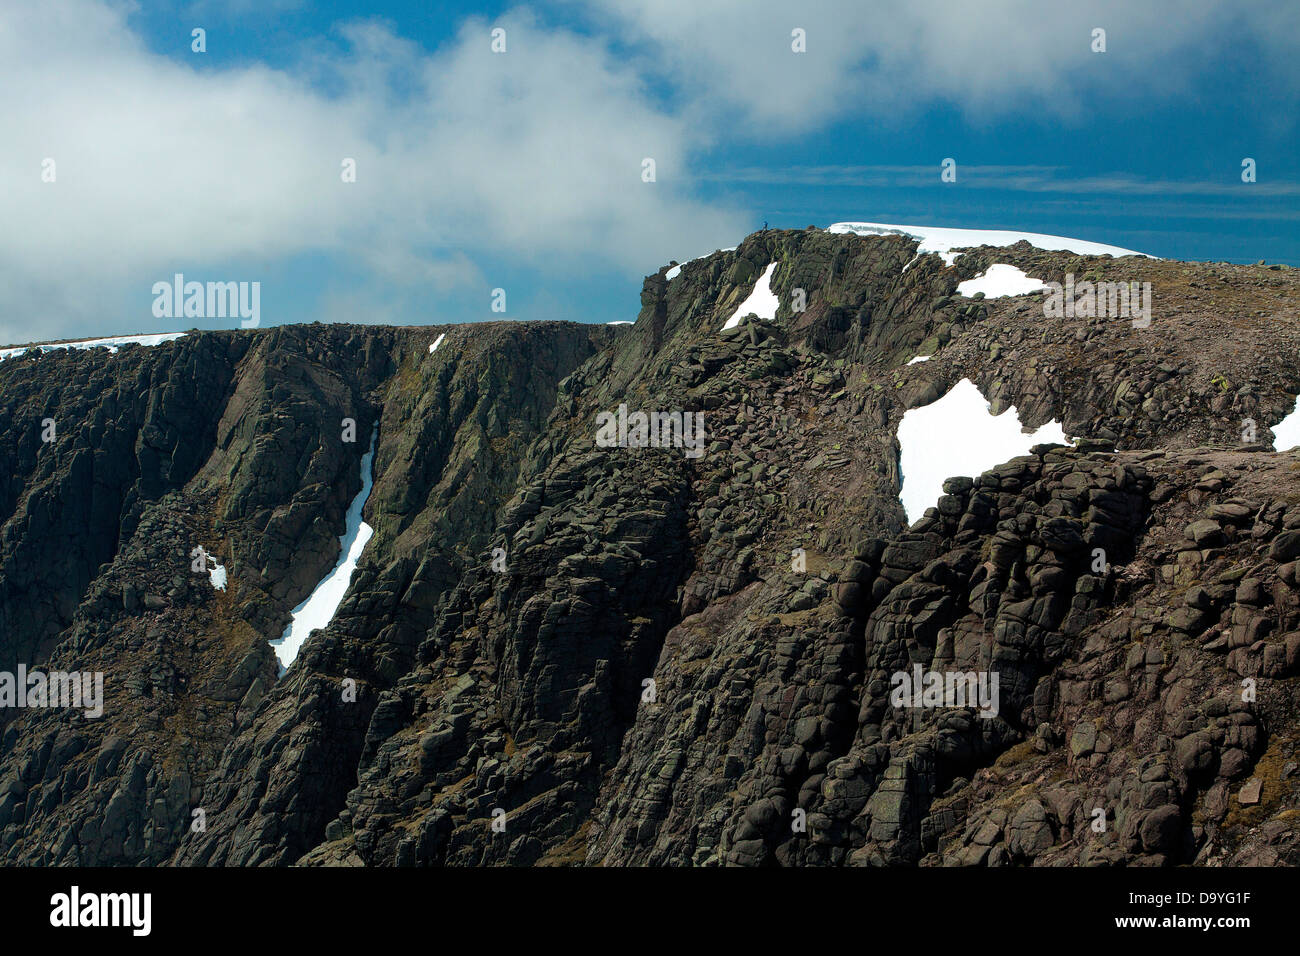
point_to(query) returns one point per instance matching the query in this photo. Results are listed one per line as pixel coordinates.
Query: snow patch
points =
(958, 435)
(110, 344)
(919, 358)
(676, 270)
(942, 240)
(762, 301)
(436, 342)
(217, 574)
(620, 322)
(1000, 280)
(319, 607)
(1286, 433)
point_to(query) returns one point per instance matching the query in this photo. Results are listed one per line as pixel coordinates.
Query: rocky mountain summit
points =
(555, 652)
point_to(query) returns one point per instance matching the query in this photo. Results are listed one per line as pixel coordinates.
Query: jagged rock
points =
(637, 656)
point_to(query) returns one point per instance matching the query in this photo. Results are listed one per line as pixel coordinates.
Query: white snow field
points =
(762, 301)
(673, 273)
(110, 344)
(998, 280)
(217, 574)
(1286, 433)
(436, 342)
(958, 435)
(942, 240)
(919, 358)
(319, 607)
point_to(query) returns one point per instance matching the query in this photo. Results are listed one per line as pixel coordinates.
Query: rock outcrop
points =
(556, 652)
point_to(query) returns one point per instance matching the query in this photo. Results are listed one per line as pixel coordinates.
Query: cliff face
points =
(247, 445)
(554, 652)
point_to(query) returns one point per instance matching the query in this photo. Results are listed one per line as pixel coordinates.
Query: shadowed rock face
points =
(236, 443)
(127, 431)
(554, 652)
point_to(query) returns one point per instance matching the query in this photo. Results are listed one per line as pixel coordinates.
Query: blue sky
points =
(522, 170)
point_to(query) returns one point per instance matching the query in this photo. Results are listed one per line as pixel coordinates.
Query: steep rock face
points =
(262, 487)
(601, 552)
(555, 652)
(759, 682)
(529, 676)
(124, 433)
(451, 435)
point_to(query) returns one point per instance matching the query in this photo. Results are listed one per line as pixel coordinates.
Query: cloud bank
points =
(161, 164)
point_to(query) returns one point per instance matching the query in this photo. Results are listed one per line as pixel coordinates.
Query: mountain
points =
(556, 650)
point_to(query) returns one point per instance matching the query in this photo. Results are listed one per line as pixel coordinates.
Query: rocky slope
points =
(559, 653)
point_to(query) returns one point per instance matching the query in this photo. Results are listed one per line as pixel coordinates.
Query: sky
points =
(128, 156)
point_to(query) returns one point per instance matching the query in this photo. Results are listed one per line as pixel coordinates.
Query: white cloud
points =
(171, 164)
(888, 60)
